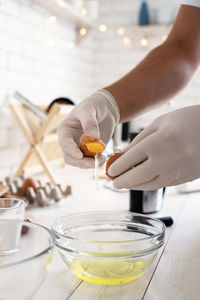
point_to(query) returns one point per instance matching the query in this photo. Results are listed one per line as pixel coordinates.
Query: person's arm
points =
(165, 71)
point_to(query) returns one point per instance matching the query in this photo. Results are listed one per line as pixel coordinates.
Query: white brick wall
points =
(35, 60)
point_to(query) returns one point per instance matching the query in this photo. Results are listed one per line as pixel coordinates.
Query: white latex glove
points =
(166, 153)
(97, 116)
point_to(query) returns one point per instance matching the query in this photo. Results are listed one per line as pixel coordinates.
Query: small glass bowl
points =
(108, 247)
(23, 271)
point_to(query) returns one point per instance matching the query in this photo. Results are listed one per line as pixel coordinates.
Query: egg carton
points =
(46, 194)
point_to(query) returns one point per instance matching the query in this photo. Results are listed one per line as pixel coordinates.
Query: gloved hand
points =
(166, 153)
(97, 116)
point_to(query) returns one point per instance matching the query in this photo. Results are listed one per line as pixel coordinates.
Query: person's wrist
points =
(111, 102)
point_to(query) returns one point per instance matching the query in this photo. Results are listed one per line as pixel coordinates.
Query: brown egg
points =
(91, 147)
(30, 182)
(111, 160)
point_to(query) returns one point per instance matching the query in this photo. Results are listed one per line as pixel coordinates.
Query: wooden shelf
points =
(69, 13)
(149, 31)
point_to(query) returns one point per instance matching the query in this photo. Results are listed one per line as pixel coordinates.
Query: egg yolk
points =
(95, 147)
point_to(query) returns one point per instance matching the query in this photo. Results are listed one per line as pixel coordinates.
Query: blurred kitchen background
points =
(60, 48)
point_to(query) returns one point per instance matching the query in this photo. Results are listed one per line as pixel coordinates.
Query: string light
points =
(126, 40)
(84, 11)
(61, 3)
(144, 42)
(52, 19)
(102, 27)
(83, 31)
(121, 31)
(70, 45)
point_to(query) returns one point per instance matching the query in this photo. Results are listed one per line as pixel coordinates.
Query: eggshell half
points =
(111, 160)
(91, 147)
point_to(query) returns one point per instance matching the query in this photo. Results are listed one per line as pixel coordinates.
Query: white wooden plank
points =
(59, 284)
(178, 274)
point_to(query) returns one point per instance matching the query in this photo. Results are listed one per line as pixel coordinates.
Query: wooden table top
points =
(174, 275)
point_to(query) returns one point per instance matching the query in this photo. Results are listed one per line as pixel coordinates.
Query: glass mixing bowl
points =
(22, 272)
(108, 247)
